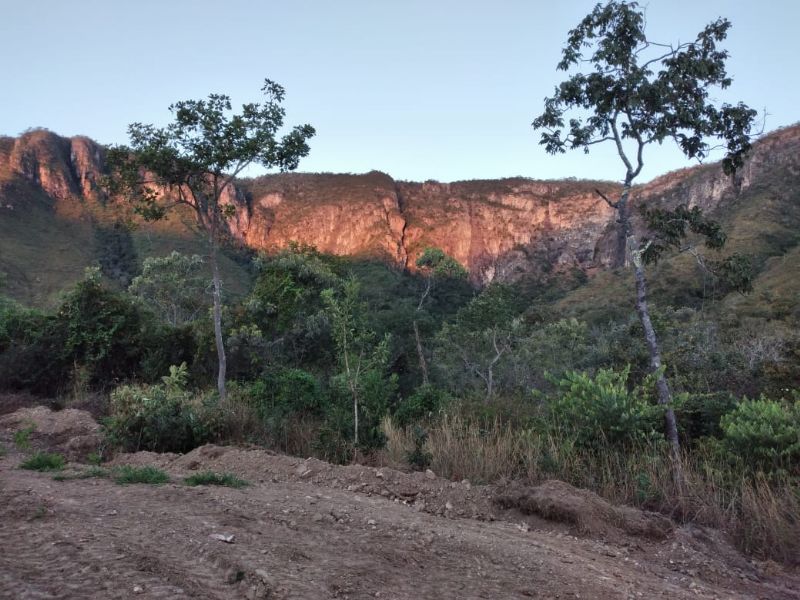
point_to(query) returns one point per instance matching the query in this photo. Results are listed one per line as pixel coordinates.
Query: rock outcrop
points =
(498, 229)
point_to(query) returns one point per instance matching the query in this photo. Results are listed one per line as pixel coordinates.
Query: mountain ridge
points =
(500, 230)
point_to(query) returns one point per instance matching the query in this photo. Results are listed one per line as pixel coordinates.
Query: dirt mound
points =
(72, 432)
(585, 510)
(308, 529)
(425, 492)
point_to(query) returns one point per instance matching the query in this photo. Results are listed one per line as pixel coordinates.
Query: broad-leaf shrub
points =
(602, 410)
(161, 418)
(764, 433)
(425, 403)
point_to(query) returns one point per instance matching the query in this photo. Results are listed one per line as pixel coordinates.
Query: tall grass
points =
(761, 513)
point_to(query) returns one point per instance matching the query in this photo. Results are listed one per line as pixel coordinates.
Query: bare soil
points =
(309, 529)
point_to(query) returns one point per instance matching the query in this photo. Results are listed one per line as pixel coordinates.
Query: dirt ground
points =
(308, 529)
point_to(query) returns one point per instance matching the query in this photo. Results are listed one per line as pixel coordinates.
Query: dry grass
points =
(762, 514)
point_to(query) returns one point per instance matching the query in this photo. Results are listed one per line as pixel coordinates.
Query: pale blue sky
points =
(421, 89)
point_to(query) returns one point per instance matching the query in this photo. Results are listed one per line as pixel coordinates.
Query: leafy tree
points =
(193, 162)
(637, 92)
(173, 286)
(104, 332)
(484, 333)
(434, 264)
(362, 356)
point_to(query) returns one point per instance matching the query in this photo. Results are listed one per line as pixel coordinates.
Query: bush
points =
(161, 418)
(42, 461)
(699, 415)
(426, 402)
(765, 434)
(601, 410)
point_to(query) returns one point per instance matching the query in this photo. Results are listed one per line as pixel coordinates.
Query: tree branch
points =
(613, 205)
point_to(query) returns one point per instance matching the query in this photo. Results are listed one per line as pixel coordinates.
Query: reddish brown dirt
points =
(307, 529)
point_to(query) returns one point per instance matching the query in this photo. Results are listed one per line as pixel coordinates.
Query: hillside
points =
(55, 220)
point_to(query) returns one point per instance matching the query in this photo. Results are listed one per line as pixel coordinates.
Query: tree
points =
(482, 334)
(173, 286)
(635, 93)
(362, 356)
(193, 162)
(434, 264)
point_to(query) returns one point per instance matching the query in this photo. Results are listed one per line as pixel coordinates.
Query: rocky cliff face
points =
(498, 229)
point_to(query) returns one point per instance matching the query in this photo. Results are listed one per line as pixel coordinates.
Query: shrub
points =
(210, 478)
(426, 402)
(764, 434)
(601, 410)
(43, 461)
(699, 415)
(128, 474)
(161, 418)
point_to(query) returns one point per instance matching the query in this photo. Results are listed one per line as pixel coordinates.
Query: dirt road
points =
(307, 529)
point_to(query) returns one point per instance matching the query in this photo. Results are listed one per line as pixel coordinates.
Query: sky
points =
(420, 89)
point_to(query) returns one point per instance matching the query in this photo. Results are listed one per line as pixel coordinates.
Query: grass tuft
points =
(22, 438)
(211, 478)
(43, 461)
(128, 474)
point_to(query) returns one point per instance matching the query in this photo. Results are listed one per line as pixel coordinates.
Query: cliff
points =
(498, 229)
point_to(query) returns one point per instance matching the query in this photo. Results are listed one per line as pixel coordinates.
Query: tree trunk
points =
(662, 387)
(218, 320)
(628, 247)
(423, 365)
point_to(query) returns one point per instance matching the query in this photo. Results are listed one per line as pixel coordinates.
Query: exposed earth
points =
(309, 529)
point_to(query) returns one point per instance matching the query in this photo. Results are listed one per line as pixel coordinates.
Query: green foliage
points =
(43, 461)
(764, 434)
(601, 410)
(201, 150)
(161, 418)
(362, 359)
(669, 228)
(211, 478)
(643, 91)
(419, 458)
(281, 398)
(424, 404)
(735, 273)
(173, 287)
(22, 437)
(471, 350)
(103, 331)
(127, 474)
(699, 415)
(436, 264)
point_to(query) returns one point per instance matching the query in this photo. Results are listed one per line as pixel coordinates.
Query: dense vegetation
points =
(518, 384)
(548, 377)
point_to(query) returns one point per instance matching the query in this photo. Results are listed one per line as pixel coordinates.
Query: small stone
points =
(228, 539)
(137, 589)
(448, 506)
(317, 517)
(430, 474)
(371, 522)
